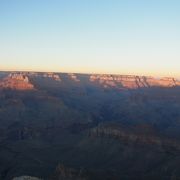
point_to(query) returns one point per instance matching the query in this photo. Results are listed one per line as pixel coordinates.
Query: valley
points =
(82, 126)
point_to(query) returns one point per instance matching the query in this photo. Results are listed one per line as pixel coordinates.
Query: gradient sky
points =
(105, 36)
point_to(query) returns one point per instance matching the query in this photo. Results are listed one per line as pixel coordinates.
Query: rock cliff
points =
(18, 81)
(133, 82)
(55, 77)
(73, 77)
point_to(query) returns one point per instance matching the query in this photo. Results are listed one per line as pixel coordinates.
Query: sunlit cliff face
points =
(133, 82)
(55, 77)
(22, 80)
(17, 81)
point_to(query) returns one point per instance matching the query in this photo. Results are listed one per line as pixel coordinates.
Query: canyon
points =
(133, 82)
(88, 126)
(18, 81)
(21, 80)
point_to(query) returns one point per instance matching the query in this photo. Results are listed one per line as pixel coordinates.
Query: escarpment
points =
(133, 82)
(22, 80)
(18, 81)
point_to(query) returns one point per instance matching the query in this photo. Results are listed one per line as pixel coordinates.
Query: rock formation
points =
(55, 77)
(21, 81)
(18, 81)
(73, 77)
(133, 82)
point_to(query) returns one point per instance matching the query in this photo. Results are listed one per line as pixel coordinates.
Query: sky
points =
(91, 36)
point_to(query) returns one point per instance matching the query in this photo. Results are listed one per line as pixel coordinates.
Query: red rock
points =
(133, 82)
(73, 77)
(17, 81)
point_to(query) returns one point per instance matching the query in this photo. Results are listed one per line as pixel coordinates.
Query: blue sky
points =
(105, 36)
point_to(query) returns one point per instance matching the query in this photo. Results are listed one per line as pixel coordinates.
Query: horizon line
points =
(88, 73)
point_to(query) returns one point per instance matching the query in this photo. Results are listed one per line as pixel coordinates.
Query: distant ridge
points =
(18, 81)
(21, 80)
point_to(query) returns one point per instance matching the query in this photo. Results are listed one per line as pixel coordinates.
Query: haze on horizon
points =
(91, 36)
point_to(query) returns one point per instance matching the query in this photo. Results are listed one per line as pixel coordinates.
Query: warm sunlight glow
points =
(119, 37)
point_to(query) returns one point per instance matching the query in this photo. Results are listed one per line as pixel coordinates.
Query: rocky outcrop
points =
(73, 77)
(55, 77)
(133, 82)
(18, 81)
